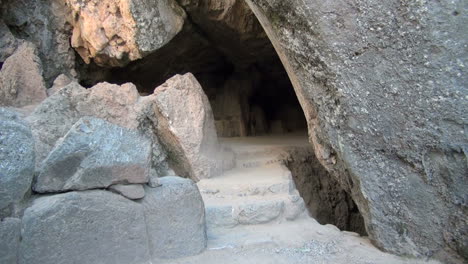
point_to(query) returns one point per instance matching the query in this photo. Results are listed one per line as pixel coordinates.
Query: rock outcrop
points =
(21, 81)
(95, 154)
(116, 104)
(113, 33)
(185, 126)
(180, 230)
(8, 42)
(383, 88)
(16, 159)
(10, 232)
(84, 227)
(43, 23)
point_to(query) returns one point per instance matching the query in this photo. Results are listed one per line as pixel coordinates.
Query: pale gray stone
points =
(10, 230)
(131, 191)
(16, 158)
(175, 218)
(84, 227)
(95, 154)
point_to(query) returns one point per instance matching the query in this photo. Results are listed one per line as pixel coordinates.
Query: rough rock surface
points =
(231, 27)
(186, 127)
(112, 33)
(21, 81)
(8, 42)
(61, 81)
(10, 230)
(180, 230)
(131, 191)
(43, 23)
(16, 158)
(116, 104)
(383, 87)
(326, 201)
(95, 154)
(84, 227)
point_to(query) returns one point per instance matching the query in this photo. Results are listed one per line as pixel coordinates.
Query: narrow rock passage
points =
(255, 214)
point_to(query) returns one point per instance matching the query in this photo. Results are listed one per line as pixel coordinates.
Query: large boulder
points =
(84, 227)
(95, 154)
(16, 158)
(185, 126)
(116, 104)
(10, 230)
(383, 88)
(21, 81)
(113, 33)
(175, 218)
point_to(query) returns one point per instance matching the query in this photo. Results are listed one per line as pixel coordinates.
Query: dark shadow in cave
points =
(250, 95)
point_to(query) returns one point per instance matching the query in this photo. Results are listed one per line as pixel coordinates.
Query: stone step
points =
(267, 180)
(230, 211)
(257, 162)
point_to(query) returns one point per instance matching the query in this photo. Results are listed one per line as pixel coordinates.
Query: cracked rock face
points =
(113, 33)
(95, 154)
(384, 93)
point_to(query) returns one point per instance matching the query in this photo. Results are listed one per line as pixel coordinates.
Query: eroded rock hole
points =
(249, 92)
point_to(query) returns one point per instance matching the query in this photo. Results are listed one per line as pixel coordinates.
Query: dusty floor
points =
(300, 241)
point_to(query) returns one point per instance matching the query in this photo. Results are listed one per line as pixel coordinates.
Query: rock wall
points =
(383, 87)
(113, 33)
(45, 24)
(325, 199)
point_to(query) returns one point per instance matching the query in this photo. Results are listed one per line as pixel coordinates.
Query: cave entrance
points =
(249, 90)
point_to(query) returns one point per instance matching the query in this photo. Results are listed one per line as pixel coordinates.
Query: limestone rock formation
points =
(186, 127)
(116, 104)
(84, 227)
(21, 81)
(131, 191)
(180, 230)
(16, 158)
(95, 154)
(10, 231)
(383, 87)
(112, 33)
